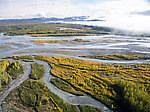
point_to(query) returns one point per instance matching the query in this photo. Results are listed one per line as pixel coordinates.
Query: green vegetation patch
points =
(80, 40)
(101, 81)
(132, 97)
(65, 86)
(27, 60)
(89, 109)
(34, 96)
(9, 70)
(59, 34)
(15, 69)
(22, 57)
(118, 57)
(4, 76)
(50, 41)
(59, 41)
(53, 29)
(37, 71)
(7, 48)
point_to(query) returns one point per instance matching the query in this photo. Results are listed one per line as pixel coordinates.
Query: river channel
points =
(97, 45)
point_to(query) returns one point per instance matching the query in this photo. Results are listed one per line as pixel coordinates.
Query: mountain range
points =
(43, 19)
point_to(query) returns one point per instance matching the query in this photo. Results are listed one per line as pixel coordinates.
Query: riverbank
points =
(105, 76)
(72, 99)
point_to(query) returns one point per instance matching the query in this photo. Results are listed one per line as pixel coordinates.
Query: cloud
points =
(124, 14)
(13, 8)
(147, 13)
(130, 15)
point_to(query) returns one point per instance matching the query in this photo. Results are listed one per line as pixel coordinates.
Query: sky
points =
(132, 15)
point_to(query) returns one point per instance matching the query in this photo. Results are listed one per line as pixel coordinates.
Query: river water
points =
(97, 45)
(70, 98)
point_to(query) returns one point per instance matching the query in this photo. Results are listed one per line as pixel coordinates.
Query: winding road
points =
(70, 98)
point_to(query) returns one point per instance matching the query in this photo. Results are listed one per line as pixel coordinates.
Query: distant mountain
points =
(41, 20)
(146, 13)
(76, 18)
(21, 21)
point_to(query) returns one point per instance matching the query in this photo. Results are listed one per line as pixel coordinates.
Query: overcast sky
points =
(118, 13)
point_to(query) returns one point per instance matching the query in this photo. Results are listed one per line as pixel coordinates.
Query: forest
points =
(65, 86)
(89, 109)
(9, 70)
(33, 95)
(123, 88)
(22, 57)
(37, 71)
(52, 29)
